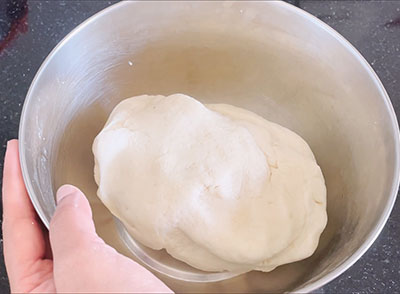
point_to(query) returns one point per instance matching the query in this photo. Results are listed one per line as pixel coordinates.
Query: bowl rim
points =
(371, 237)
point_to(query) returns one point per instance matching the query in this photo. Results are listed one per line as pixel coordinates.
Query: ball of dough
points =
(217, 186)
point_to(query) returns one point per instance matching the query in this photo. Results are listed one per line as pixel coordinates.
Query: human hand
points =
(72, 258)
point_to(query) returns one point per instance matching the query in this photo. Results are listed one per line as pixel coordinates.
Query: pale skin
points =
(69, 258)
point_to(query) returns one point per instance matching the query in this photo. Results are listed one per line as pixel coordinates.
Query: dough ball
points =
(217, 186)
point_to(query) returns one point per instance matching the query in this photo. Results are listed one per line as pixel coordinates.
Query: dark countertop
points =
(29, 30)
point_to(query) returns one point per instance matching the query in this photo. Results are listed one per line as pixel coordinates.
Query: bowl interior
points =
(267, 57)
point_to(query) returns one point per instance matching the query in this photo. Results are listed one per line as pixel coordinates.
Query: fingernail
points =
(10, 149)
(10, 141)
(65, 191)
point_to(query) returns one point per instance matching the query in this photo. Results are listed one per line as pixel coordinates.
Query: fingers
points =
(16, 197)
(71, 226)
(24, 242)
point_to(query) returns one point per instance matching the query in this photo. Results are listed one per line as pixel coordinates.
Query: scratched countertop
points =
(29, 29)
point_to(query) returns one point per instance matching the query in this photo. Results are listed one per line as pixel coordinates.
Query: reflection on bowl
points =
(162, 262)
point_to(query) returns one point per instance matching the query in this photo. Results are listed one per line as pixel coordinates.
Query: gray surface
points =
(373, 27)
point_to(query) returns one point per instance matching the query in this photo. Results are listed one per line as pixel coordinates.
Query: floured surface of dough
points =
(217, 186)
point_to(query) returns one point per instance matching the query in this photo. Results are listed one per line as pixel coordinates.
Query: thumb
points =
(82, 261)
(71, 226)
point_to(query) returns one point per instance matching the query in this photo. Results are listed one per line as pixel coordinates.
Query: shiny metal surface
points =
(268, 57)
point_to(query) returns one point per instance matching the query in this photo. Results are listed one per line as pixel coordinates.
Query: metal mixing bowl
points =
(268, 57)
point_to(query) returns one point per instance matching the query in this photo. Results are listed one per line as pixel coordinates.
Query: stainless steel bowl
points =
(268, 57)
